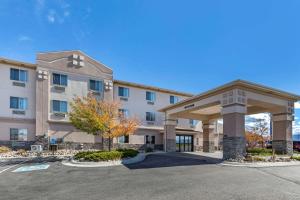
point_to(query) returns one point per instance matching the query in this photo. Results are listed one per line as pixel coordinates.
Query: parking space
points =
(160, 176)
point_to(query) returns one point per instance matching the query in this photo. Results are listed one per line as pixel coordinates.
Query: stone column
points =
(233, 112)
(208, 136)
(170, 135)
(282, 141)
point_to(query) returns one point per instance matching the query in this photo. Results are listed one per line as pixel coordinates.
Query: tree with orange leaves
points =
(253, 139)
(100, 117)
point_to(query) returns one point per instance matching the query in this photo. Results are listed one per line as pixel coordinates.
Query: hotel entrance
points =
(184, 143)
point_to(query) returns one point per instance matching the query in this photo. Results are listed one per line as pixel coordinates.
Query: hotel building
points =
(35, 104)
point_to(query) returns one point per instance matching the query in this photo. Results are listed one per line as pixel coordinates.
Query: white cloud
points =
(55, 11)
(66, 13)
(297, 105)
(51, 16)
(24, 38)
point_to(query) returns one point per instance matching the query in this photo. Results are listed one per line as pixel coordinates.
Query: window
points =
(60, 79)
(18, 75)
(152, 139)
(96, 85)
(150, 116)
(59, 106)
(124, 139)
(18, 134)
(124, 113)
(150, 96)
(193, 122)
(18, 103)
(173, 99)
(147, 139)
(123, 92)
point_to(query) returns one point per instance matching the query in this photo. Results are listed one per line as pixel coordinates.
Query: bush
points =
(260, 151)
(105, 155)
(296, 158)
(4, 149)
(128, 153)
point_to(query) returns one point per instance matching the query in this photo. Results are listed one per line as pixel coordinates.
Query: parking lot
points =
(160, 176)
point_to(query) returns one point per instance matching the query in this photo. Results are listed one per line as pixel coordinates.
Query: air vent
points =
(59, 87)
(150, 102)
(59, 114)
(123, 99)
(18, 112)
(94, 92)
(19, 84)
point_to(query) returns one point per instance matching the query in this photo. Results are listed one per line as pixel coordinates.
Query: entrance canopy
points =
(231, 102)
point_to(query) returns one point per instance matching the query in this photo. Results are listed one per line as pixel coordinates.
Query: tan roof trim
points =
(236, 84)
(152, 88)
(78, 51)
(18, 63)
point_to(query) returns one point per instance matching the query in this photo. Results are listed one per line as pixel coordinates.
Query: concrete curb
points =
(261, 164)
(139, 158)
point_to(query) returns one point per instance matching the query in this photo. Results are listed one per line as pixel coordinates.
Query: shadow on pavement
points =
(173, 160)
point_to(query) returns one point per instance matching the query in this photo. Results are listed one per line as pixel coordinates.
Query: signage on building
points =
(189, 106)
(53, 140)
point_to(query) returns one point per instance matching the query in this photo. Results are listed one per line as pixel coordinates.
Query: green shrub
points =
(128, 153)
(296, 158)
(4, 149)
(105, 155)
(260, 151)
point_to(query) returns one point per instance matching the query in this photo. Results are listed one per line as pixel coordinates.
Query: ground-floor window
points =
(124, 139)
(18, 134)
(150, 139)
(184, 143)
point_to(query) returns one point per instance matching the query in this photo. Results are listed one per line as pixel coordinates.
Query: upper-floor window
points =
(18, 75)
(124, 113)
(173, 99)
(96, 85)
(18, 134)
(150, 116)
(150, 96)
(60, 79)
(59, 106)
(123, 92)
(18, 103)
(193, 122)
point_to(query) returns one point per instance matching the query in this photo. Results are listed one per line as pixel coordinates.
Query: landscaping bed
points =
(266, 155)
(97, 156)
(7, 153)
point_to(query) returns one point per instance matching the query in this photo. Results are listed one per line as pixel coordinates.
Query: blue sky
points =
(188, 45)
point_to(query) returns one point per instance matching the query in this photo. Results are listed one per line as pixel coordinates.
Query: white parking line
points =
(12, 166)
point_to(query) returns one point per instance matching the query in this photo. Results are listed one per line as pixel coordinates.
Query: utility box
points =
(36, 148)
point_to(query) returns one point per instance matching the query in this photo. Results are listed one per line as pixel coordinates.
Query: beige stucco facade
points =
(232, 102)
(42, 122)
(168, 123)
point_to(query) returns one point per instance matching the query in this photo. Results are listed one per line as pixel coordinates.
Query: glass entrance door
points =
(184, 143)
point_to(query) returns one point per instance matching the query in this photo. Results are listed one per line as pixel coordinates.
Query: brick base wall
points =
(234, 148)
(283, 147)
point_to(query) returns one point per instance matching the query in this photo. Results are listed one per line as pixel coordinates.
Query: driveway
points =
(175, 176)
